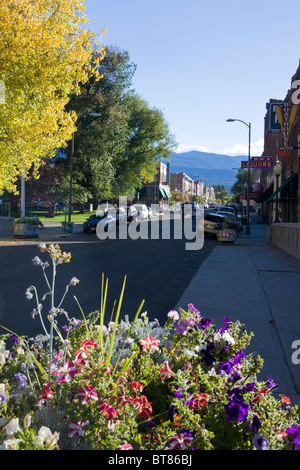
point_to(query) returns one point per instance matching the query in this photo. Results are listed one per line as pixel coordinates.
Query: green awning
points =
(280, 188)
(162, 192)
(168, 193)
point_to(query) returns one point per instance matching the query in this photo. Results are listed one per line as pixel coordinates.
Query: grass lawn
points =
(60, 217)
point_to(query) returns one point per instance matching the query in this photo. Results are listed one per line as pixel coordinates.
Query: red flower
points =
(136, 386)
(166, 371)
(285, 399)
(150, 343)
(200, 400)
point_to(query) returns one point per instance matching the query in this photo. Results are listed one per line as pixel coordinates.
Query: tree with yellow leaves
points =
(45, 53)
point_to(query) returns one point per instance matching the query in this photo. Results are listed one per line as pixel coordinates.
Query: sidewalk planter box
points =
(25, 230)
(6, 226)
(227, 235)
(67, 227)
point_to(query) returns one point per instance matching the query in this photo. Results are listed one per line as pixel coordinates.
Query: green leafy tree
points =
(116, 150)
(99, 139)
(241, 180)
(149, 138)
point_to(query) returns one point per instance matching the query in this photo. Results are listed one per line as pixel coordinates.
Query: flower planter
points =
(25, 230)
(227, 235)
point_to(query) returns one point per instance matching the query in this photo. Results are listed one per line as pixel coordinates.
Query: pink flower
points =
(145, 408)
(136, 386)
(166, 371)
(77, 428)
(89, 343)
(125, 447)
(150, 343)
(87, 394)
(66, 372)
(108, 410)
(124, 399)
(173, 314)
(180, 441)
(46, 394)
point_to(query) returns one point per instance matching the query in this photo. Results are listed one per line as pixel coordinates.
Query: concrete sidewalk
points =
(259, 285)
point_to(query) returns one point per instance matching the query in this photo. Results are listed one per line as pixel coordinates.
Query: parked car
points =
(227, 209)
(106, 219)
(211, 220)
(230, 215)
(142, 210)
(121, 215)
(131, 213)
(189, 208)
(126, 214)
(150, 212)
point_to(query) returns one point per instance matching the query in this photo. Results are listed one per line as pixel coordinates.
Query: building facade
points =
(282, 142)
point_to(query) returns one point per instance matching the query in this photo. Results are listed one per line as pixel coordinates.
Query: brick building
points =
(281, 141)
(158, 191)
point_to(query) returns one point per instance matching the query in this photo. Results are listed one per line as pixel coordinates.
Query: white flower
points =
(74, 281)
(12, 427)
(227, 337)
(42, 246)
(28, 294)
(46, 436)
(37, 261)
(9, 443)
(189, 353)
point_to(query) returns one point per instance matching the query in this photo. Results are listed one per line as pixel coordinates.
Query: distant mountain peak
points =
(210, 168)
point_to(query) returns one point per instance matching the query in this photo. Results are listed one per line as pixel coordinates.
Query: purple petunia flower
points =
(238, 357)
(204, 322)
(249, 387)
(260, 442)
(193, 309)
(226, 367)
(181, 328)
(256, 425)
(226, 321)
(179, 395)
(171, 412)
(21, 379)
(270, 383)
(237, 410)
(3, 397)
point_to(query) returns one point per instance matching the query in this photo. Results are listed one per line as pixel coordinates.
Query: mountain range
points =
(210, 168)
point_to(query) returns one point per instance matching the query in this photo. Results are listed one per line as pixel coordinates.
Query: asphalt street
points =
(157, 270)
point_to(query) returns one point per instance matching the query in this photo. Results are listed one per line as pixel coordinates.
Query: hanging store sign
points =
(260, 163)
(286, 115)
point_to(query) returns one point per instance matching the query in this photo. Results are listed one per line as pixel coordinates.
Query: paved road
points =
(157, 270)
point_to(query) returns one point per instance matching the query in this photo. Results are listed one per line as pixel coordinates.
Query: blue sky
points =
(201, 62)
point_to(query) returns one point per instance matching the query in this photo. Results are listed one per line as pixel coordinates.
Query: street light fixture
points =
(277, 173)
(249, 183)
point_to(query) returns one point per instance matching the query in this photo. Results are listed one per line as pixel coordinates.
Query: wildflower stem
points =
(116, 323)
(102, 309)
(85, 322)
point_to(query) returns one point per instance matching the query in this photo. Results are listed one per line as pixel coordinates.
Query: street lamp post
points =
(277, 173)
(249, 183)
